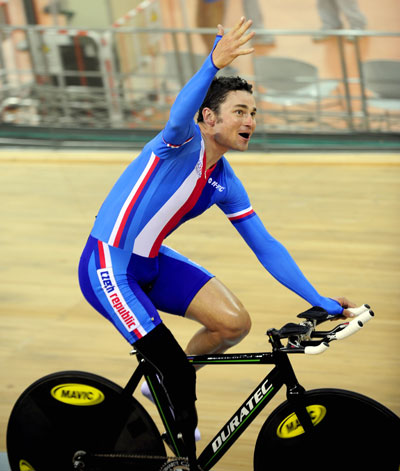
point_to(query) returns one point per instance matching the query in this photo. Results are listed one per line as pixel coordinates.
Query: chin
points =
(242, 147)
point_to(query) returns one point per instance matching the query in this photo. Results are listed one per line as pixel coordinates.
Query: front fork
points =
(295, 392)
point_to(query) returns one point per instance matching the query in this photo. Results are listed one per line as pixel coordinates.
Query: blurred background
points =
(85, 84)
(105, 72)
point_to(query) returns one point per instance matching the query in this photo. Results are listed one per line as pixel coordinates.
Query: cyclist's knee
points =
(235, 327)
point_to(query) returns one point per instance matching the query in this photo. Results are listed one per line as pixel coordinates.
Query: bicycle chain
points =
(169, 465)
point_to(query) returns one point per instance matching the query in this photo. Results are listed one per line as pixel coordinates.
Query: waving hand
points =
(230, 46)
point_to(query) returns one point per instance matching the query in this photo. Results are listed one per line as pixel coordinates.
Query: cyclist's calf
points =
(178, 377)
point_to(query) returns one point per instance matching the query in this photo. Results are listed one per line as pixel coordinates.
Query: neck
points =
(214, 151)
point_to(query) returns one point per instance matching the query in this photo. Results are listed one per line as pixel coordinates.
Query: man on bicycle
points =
(127, 274)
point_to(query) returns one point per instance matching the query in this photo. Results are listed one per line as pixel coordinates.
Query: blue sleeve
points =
(235, 201)
(180, 127)
(279, 263)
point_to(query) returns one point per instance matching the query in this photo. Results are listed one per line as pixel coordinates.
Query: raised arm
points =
(180, 126)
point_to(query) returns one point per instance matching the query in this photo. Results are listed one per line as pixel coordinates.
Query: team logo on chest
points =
(216, 185)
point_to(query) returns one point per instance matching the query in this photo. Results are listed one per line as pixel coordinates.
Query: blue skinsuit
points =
(126, 272)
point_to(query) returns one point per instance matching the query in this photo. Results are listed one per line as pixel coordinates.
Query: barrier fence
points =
(126, 77)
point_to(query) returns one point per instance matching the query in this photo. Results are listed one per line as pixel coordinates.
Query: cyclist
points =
(128, 275)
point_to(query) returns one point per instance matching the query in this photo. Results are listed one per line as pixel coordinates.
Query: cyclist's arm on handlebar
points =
(277, 260)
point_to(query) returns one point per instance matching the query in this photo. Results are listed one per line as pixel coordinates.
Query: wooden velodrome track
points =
(338, 214)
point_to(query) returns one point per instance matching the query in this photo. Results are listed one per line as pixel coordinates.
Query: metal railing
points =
(68, 77)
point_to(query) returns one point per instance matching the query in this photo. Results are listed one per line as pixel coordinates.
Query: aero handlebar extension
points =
(300, 339)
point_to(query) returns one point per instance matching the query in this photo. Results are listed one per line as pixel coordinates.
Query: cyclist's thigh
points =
(112, 291)
(218, 309)
(178, 281)
(187, 289)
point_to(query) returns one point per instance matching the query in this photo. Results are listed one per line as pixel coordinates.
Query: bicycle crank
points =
(177, 464)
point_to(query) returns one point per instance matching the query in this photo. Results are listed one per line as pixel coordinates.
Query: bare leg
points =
(352, 12)
(253, 11)
(225, 320)
(209, 15)
(330, 14)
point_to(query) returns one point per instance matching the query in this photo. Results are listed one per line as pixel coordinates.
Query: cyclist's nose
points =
(249, 121)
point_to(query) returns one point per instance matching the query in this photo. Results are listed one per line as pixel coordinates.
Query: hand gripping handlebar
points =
(363, 314)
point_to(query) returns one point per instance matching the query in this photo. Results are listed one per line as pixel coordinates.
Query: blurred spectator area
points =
(118, 64)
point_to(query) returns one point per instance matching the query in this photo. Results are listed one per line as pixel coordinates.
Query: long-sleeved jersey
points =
(168, 184)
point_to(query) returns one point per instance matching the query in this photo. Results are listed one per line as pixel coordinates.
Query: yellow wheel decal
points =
(25, 466)
(76, 394)
(290, 427)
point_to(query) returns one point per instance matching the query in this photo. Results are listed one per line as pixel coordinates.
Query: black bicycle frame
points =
(281, 374)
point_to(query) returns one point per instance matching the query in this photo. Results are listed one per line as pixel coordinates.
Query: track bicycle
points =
(75, 420)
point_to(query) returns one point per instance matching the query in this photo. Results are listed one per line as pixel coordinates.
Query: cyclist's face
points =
(236, 120)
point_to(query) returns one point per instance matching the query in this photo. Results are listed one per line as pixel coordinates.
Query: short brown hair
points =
(218, 91)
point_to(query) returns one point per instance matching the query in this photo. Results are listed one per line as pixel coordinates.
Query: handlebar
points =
(300, 335)
(355, 325)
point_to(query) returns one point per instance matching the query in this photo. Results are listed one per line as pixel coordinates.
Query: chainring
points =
(176, 464)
